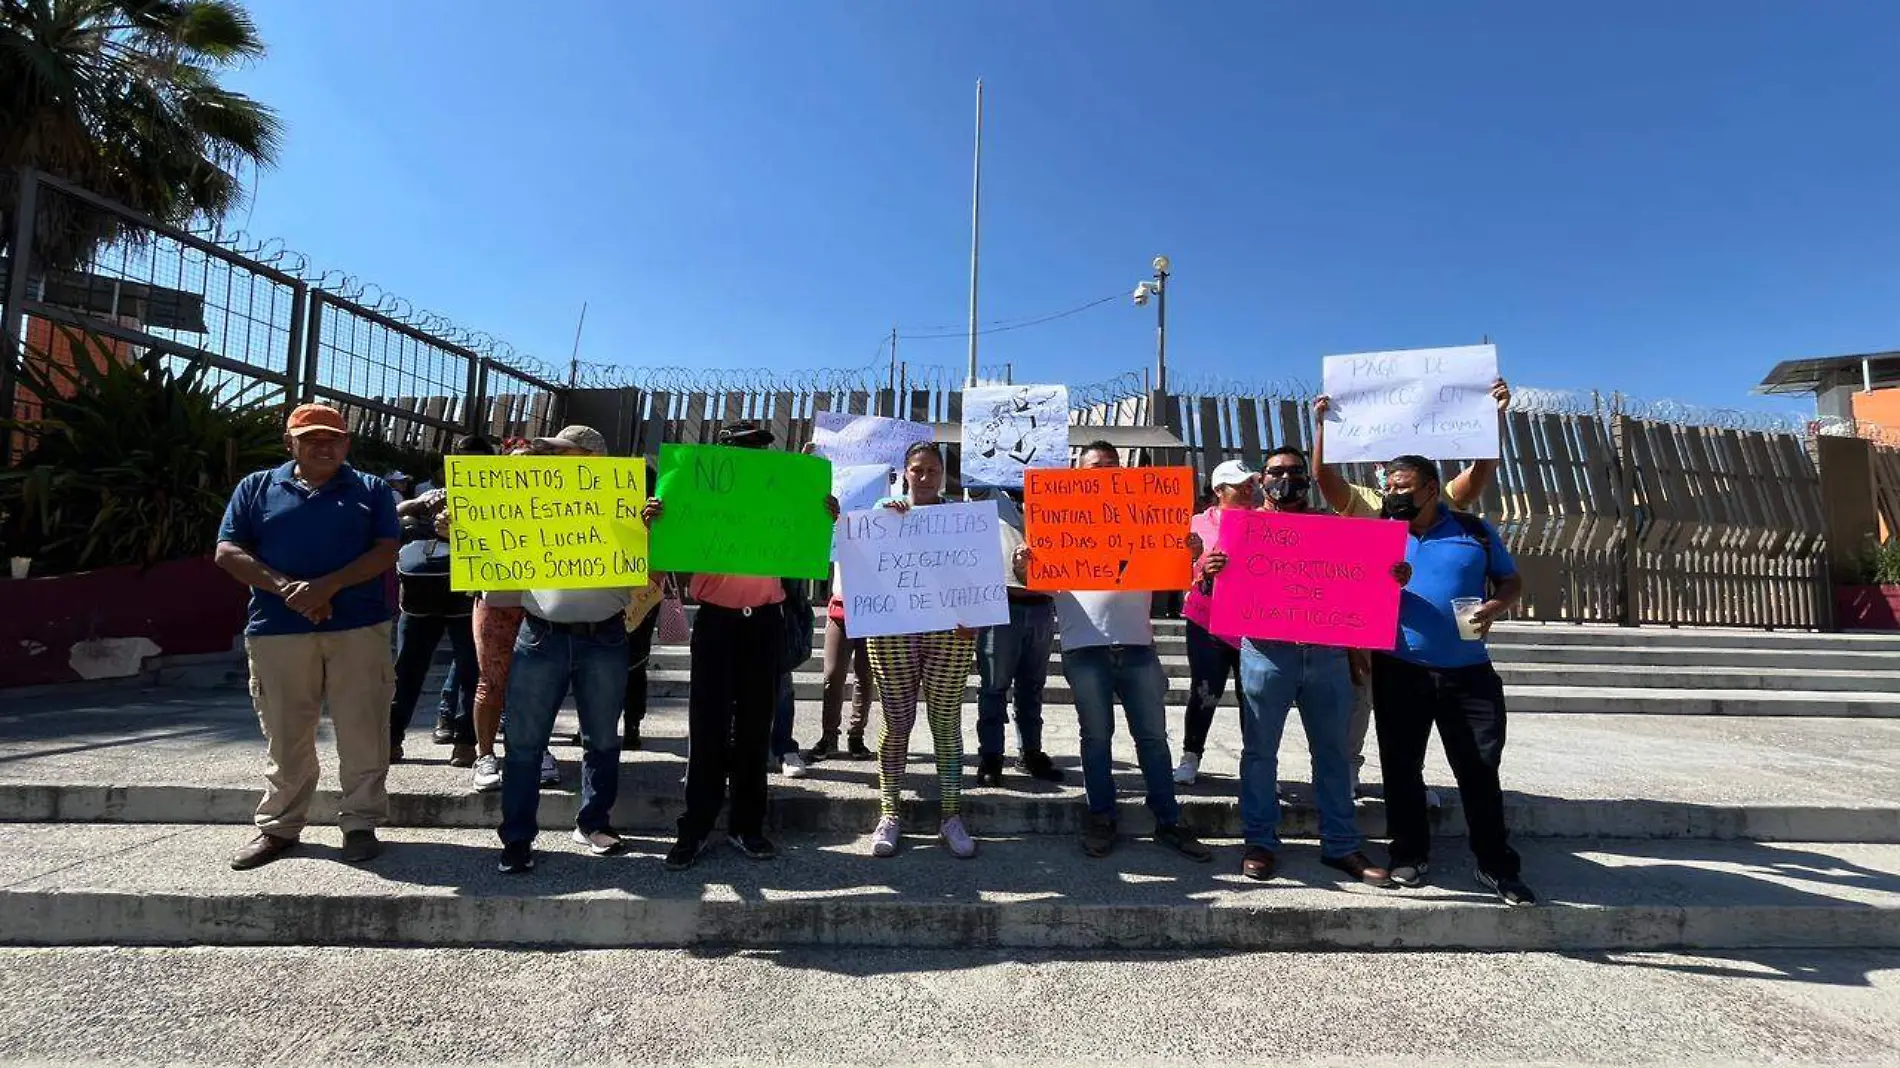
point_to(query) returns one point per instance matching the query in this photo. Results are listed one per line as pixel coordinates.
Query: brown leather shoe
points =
(1360, 867)
(1257, 864)
(261, 851)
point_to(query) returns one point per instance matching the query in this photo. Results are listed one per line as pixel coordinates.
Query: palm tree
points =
(122, 97)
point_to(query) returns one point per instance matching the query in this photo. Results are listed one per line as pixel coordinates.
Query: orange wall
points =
(1881, 408)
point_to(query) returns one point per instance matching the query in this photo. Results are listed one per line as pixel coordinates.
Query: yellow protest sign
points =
(546, 522)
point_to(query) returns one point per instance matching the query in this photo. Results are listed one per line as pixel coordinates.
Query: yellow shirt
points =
(1364, 503)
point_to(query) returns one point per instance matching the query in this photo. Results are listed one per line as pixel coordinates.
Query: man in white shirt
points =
(1108, 653)
(570, 639)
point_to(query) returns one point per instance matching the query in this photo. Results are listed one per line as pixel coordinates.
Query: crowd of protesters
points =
(346, 566)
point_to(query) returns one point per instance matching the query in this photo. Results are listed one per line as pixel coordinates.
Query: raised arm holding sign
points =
(1433, 402)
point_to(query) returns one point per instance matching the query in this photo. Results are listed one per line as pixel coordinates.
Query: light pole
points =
(1158, 288)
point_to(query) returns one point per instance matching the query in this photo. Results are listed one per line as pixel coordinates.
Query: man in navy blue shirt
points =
(313, 539)
(1440, 673)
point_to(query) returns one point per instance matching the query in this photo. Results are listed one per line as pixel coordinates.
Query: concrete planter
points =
(106, 623)
(1867, 607)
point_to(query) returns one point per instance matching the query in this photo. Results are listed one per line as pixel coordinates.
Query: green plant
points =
(1880, 564)
(130, 461)
(122, 97)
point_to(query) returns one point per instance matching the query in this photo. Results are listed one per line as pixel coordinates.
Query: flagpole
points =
(976, 215)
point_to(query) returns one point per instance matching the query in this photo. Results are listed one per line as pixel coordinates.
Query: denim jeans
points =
(1273, 676)
(782, 714)
(416, 640)
(1017, 654)
(1210, 663)
(1098, 676)
(547, 664)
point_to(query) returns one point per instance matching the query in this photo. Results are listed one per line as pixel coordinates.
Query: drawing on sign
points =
(1009, 428)
(545, 522)
(1120, 528)
(929, 569)
(1432, 402)
(1299, 577)
(857, 440)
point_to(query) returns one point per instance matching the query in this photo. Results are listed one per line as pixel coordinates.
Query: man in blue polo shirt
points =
(1440, 673)
(313, 539)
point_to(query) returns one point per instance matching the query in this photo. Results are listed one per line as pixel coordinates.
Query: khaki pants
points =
(293, 677)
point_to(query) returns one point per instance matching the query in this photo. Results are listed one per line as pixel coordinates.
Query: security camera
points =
(1141, 294)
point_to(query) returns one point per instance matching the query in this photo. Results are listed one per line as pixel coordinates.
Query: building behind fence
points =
(1617, 513)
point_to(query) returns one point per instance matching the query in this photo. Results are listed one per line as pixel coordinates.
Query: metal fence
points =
(1617, 511)
(264, 326)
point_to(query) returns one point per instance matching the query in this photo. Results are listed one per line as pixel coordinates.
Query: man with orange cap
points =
(313, 539)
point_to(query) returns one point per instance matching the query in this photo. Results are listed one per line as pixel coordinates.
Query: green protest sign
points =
(732, 511)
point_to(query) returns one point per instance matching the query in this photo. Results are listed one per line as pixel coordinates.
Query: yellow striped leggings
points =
(938, 664)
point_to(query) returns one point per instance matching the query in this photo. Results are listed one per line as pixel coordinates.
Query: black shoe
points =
(360, 847)
(630, 739)
(1039, 766)
(261, 850)
(826, 749)
(1098, 838)
(395, 752)
(855, 750)
(1409, 875)
(1510, 889)
(1179, 839)
(989, 771)
(754, 846)
(684, 853)
(517, 858)
(444, 729)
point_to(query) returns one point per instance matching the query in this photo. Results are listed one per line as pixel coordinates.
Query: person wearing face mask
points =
(1211, 660)
(1274, 675)
(1463, 578)
(1363, 502)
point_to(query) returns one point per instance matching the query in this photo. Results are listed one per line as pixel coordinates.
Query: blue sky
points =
(1663, 199)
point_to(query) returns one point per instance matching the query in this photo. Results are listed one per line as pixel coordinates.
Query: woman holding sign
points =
(1211, 660)
(936, 665)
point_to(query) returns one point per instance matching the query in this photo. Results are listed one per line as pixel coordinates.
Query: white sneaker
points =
(884, 839)
(794, 766)
(550, 771)
(1189, 769)
(487, 773)
(962, 846)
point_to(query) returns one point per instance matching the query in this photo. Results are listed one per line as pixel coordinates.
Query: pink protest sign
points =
(1317, 579)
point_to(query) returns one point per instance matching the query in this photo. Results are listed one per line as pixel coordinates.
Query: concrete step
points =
(1741, 671)
(1022, 807)
(1610, 693)
(864, 1006)
(170, 885)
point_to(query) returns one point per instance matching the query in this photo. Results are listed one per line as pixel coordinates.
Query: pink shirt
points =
(736, 591)
(1199, 607)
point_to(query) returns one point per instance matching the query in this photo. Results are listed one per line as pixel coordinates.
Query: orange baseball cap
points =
(306, 418)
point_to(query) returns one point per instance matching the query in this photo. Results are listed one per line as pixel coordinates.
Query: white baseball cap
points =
(1232, 473)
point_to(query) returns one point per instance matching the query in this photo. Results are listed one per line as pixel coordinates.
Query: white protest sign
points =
(856, 440)
(1435, 403)
(1008, 428)
(861, 486)
(932, 568)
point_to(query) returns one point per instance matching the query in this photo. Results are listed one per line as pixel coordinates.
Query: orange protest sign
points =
(1108, 528)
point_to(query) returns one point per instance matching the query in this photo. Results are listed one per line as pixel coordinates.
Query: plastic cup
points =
(20, 565)
(1466, 611)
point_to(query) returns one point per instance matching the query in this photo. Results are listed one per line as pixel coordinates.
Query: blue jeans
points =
(1273, 676)
(1098, 676)
(416, 641)
(782, 712)
(547, 664)
(1016, 653)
